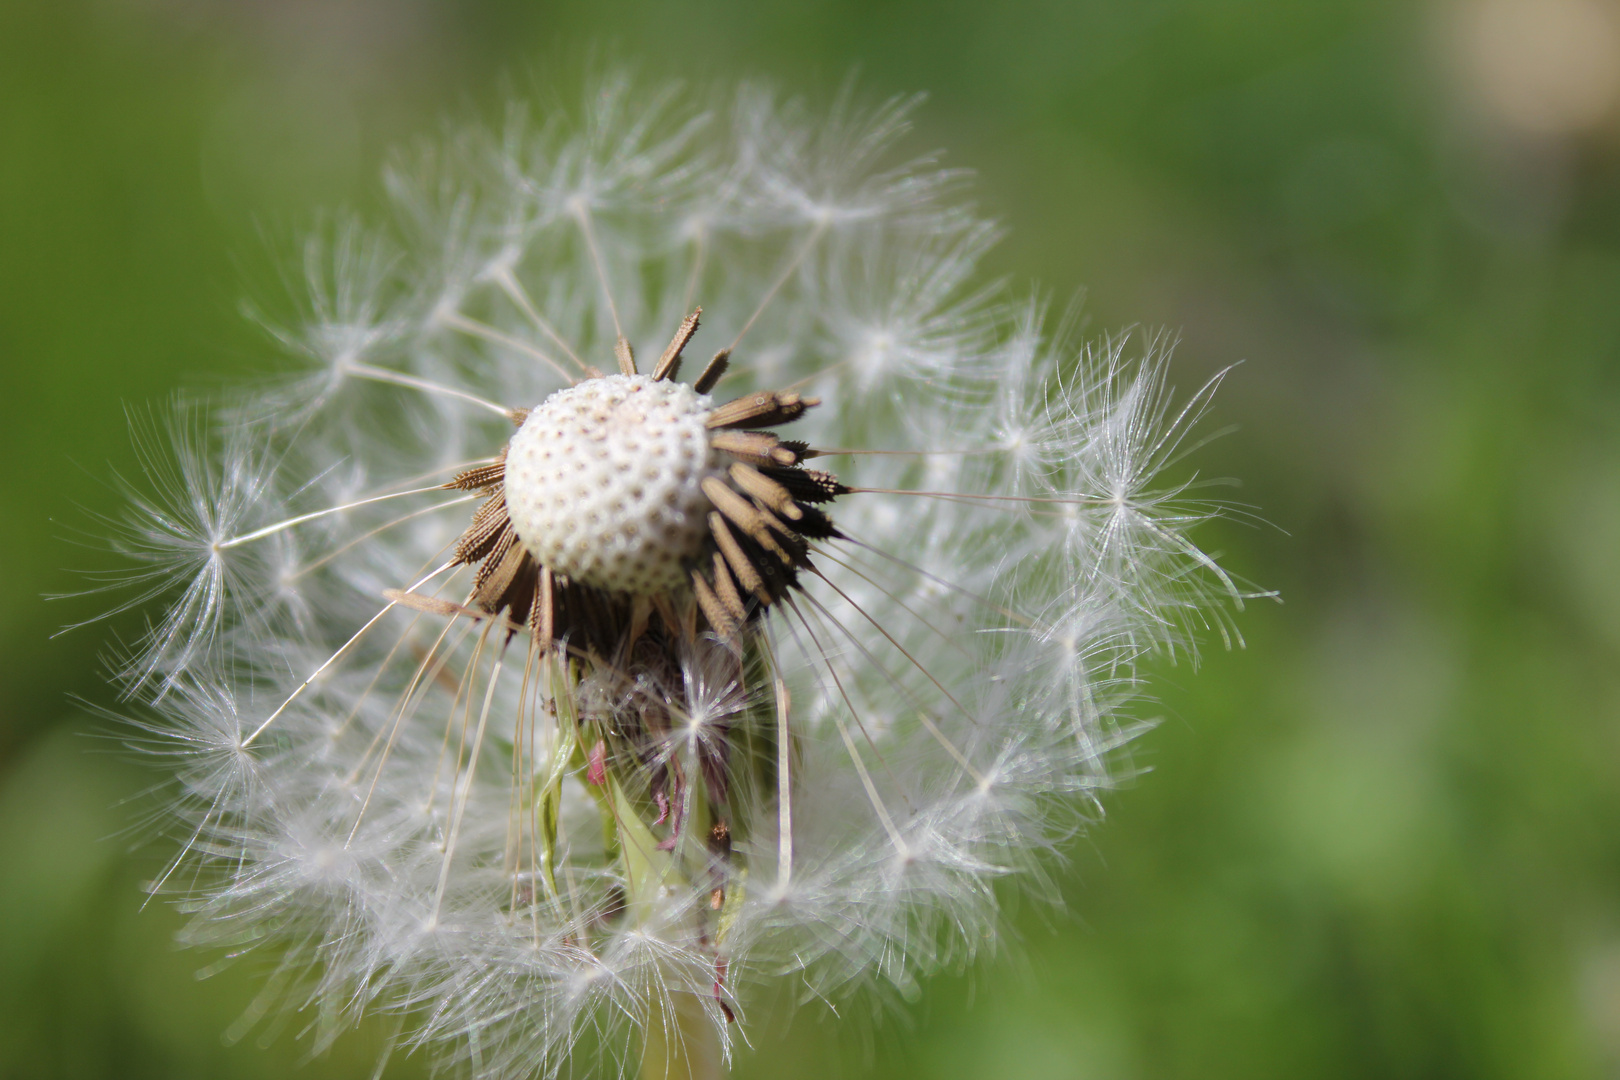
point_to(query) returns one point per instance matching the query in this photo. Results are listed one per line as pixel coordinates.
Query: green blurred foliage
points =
(1381, 841)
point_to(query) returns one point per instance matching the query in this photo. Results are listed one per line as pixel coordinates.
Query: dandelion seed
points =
(673, 710)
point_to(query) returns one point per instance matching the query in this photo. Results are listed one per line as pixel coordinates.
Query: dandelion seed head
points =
(543, 707)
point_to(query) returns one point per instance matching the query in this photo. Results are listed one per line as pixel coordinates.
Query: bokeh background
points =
(1382, 840)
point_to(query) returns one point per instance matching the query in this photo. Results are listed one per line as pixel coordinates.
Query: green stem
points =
(681, 1043)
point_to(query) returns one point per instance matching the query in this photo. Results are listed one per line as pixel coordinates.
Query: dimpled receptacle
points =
(604, 482)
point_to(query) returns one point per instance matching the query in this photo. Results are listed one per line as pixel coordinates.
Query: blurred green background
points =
(1381, 841)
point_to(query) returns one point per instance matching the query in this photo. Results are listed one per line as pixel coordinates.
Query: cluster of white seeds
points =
(603, 482)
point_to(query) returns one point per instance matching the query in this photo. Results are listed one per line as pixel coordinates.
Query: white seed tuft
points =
(603, 482)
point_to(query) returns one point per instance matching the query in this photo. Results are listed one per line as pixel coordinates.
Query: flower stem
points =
(681, 1043)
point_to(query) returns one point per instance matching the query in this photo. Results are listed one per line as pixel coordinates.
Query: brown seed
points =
(745, 515)
(755, 447)
(763, 409)
(669, 364)
(725, 588)
(715, 611)
(808, 485)
(497, 575)
(748, 575)
(479, 477)
(766, 490)
(542, 618)
(481, 536)
(712, 372)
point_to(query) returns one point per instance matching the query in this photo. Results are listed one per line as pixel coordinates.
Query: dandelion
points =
(548, 691)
